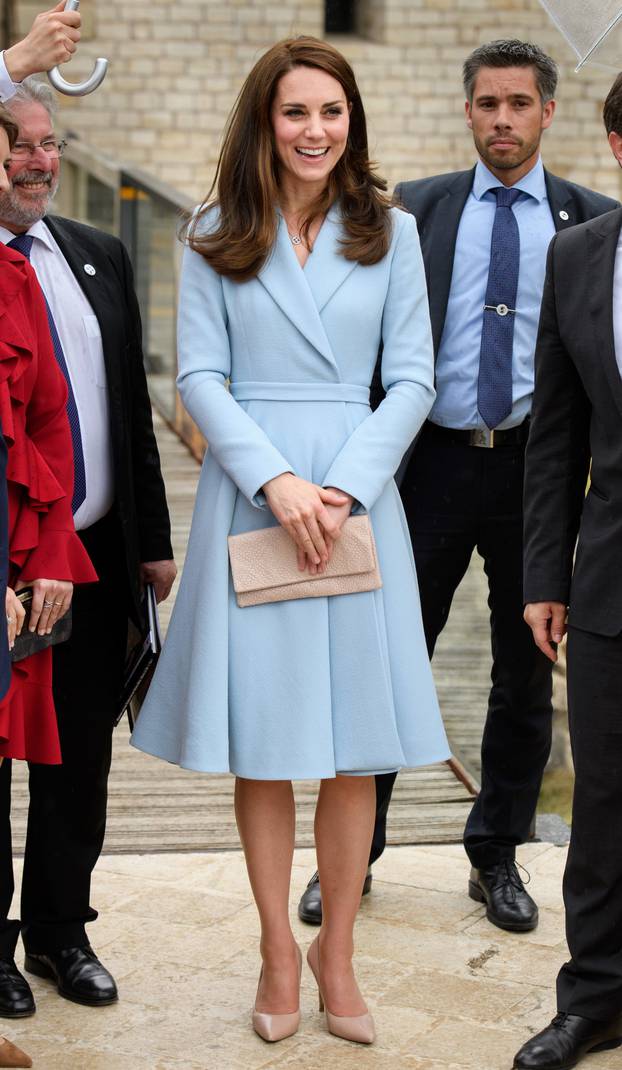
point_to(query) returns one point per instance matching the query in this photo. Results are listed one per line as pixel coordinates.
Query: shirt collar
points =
(38, 231)
(533, 183)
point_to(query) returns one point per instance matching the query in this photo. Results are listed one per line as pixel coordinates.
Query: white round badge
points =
(564, 215)
(90, 270)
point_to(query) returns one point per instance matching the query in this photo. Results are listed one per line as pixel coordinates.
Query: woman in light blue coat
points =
(295, 274)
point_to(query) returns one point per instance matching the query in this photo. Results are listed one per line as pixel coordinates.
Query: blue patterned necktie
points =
(494, 386)
(23, 244)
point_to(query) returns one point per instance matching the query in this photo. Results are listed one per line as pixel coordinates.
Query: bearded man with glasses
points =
(121, 515)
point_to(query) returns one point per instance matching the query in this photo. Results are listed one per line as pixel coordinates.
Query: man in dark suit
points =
(484, 235)
(577, 417)
(121, 515)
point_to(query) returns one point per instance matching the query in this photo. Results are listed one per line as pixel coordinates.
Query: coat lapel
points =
(438, 244)
(288, 286)
(327, 268)
(561, 202)
(602, 237)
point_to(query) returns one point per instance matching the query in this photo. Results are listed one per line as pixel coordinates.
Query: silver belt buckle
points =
(482, 436)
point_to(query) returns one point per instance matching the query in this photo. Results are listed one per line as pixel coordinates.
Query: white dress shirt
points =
(7, 87)
(80, 336)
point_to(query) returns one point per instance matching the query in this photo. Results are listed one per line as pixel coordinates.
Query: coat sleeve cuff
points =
(63, 557)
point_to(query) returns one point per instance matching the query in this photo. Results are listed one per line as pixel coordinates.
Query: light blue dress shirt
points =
(457, 365)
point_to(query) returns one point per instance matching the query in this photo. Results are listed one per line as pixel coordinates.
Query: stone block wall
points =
(177, 65)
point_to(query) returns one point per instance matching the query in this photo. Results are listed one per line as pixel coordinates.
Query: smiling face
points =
(5, 161)
(310, 120)
(34, 180)
(507, 118)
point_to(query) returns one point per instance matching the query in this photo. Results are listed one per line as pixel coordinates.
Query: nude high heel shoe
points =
(273, 1027)
(359, 1028)
(12, 1056)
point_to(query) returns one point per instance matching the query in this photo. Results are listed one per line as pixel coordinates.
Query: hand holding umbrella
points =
(53, 38)
(79, 89)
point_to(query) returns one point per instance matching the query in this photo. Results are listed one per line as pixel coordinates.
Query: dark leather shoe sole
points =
(22, 1005)
(5, 1012)
(606, 1045)
(476, 893)
(39, 969)
(315, 917)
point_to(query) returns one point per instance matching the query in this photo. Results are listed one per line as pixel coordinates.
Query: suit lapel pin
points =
(90, 270)
(564, 215)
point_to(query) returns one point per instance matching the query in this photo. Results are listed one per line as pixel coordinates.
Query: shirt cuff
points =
(7, 87)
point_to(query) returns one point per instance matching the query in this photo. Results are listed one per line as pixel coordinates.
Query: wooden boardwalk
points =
(159, 807)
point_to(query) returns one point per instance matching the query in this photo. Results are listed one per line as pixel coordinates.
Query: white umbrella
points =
(593, 28)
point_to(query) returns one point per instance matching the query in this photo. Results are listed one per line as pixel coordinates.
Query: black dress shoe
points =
(508, 905)
(78, 974)
(310, 905)
(16, 1000)
(566, 1040)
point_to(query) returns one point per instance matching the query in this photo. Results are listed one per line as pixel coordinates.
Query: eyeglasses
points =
(23, 150)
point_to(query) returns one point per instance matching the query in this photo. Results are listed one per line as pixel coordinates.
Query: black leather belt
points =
(511, 436)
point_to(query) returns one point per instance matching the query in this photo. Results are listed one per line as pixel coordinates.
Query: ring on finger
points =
(10, 620)
(58, 603)
(47, 603)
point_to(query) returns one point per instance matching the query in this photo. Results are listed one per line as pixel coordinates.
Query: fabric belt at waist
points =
(511, 436)
(248, 391)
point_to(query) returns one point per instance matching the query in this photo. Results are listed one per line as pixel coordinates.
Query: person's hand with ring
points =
(50, 601)
(15, 616)
(300, 507)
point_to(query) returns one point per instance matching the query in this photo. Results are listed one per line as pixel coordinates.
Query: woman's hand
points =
(50, 601)
(302, 509)
(339, 514)
(15, 615)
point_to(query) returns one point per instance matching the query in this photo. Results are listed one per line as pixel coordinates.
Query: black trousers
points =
(67, 812)
(591, 983)
(459, 498)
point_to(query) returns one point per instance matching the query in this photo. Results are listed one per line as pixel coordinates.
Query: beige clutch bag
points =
(265, 569)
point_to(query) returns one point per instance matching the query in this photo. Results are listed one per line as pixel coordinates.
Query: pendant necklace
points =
(295, 239)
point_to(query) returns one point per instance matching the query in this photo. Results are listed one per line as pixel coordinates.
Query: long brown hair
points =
(8, 124)
(246, 184)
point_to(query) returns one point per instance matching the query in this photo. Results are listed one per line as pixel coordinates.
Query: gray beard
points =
(17, 214)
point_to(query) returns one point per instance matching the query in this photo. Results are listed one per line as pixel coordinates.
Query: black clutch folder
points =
(27, 643)
(141, 661)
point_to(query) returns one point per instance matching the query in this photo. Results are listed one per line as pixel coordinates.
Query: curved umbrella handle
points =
(78, 89)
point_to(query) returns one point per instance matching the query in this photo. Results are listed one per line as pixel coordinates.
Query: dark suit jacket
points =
(577, 414)
(437, 204)
(140, 498)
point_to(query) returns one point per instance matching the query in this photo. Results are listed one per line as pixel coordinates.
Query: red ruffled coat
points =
(42, 539)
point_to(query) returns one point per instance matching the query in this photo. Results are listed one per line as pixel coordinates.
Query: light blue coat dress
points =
(318, 686)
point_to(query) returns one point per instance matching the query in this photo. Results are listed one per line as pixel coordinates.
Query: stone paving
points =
(448, 990)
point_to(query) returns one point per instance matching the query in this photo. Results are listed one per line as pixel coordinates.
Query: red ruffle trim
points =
(33, 488)
(62, 558)
(28, 726)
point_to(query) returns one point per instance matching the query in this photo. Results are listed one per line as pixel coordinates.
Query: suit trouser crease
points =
(459, 498)
(590, 984)
(67, 811)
